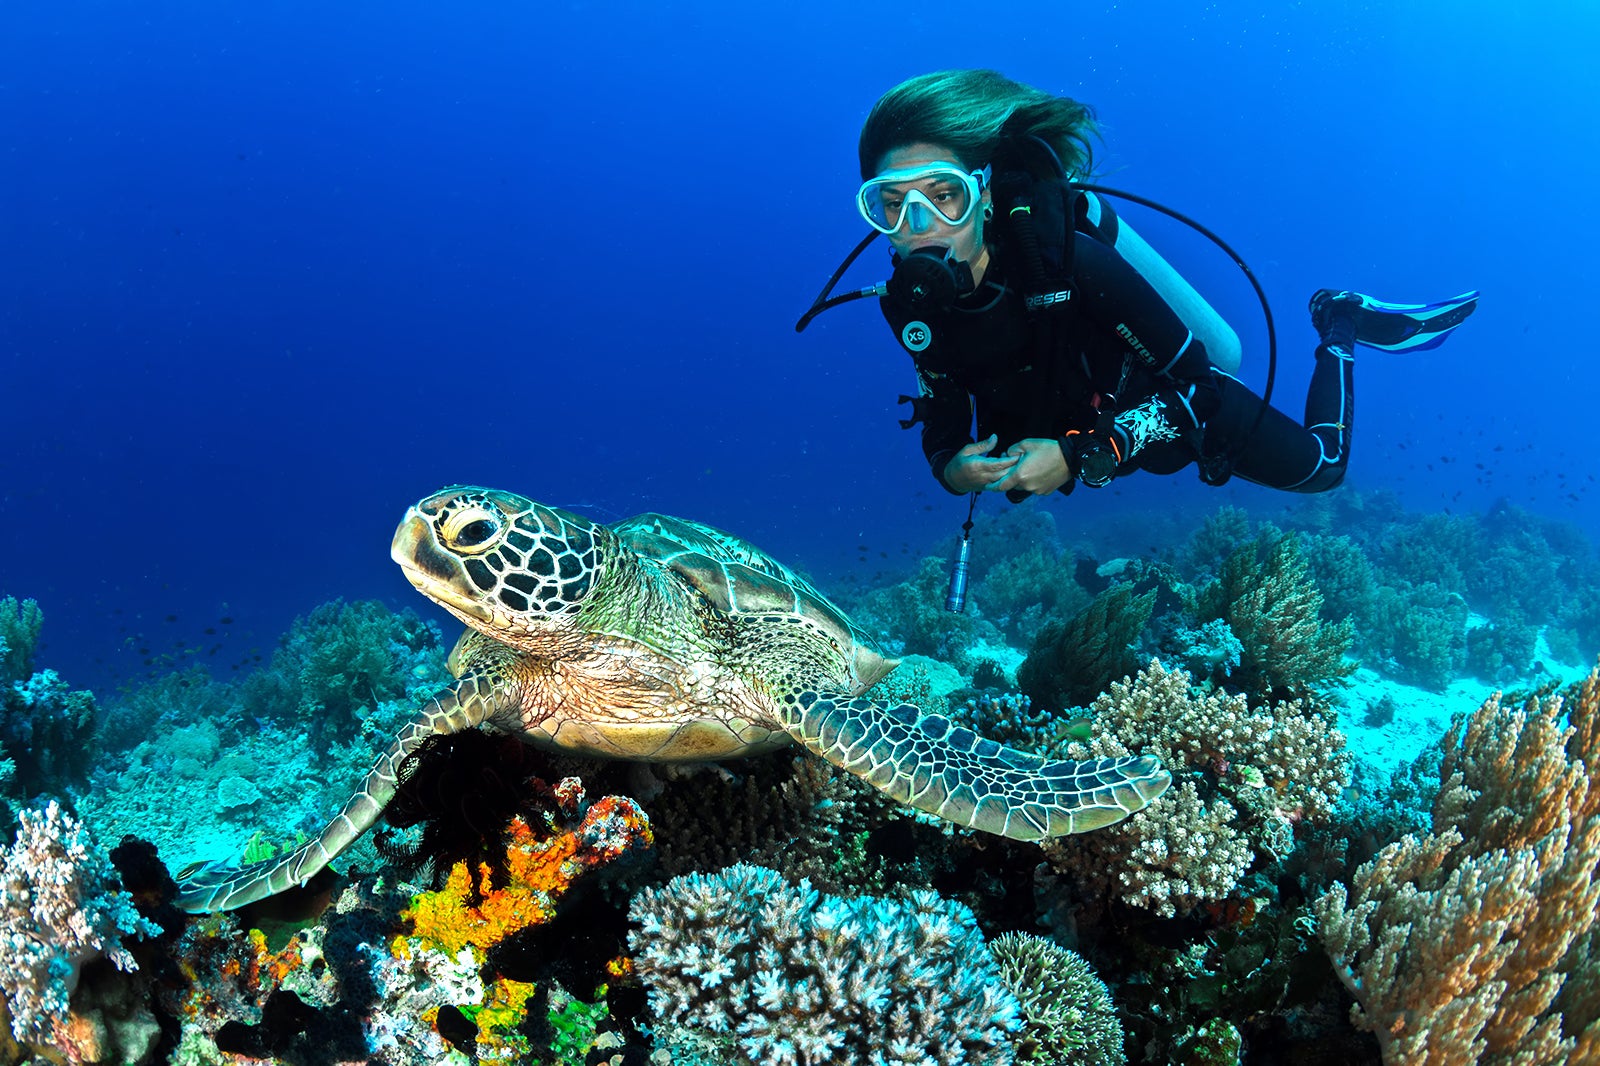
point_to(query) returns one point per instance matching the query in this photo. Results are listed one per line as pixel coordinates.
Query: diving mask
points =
(921, 196)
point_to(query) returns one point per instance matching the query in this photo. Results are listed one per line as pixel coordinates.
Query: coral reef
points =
(47, 729)
(787, 976)
(1020, 592)
(61, 905)
(263, 765)
(1472, 942)
(1071, 662)
(1265, 594)
(1245, 776)
(20, 623)
(338, 663)
(1068, 1018)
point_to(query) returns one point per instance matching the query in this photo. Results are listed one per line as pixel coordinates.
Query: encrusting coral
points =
(1477, 942)
(1266, 769)
(787, 976)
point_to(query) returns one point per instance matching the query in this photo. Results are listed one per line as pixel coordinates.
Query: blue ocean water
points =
(269, 273)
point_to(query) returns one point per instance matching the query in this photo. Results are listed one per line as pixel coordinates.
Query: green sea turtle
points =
(661, 639)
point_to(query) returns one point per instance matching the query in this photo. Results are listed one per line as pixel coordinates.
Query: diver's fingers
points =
(981, 447)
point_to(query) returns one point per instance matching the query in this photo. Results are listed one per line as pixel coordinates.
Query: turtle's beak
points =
(434, 572)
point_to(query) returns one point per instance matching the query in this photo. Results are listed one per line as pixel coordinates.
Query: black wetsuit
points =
(985, 360)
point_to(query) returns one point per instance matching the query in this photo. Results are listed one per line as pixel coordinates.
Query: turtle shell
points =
(736, 577)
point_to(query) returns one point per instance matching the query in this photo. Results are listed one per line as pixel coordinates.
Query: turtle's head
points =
(510, 568)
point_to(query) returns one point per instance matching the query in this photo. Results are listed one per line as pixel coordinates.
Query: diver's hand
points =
(971, 469)
(1040, 467)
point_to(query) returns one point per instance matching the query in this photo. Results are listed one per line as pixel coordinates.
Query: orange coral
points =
(538, 872)
(275, 965)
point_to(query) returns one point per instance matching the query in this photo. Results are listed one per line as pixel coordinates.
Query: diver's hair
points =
(970, 112)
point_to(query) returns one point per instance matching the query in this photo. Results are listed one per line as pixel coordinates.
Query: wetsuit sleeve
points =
(946, 413)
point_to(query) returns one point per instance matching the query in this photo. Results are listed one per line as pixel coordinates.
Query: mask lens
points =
(948, 193)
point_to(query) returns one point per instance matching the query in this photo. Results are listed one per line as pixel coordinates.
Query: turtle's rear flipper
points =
(925, 762)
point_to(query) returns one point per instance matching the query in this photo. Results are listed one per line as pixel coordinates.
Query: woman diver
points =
(1027, 305)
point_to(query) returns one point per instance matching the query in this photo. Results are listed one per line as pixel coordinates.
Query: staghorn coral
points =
(1178, 854)
(1472, 943)
(61, 905)
(1265, 769)
(1067, 1013)
(795, 977)
(1266, 595)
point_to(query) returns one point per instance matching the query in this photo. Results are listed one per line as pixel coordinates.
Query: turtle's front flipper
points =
(927, 763)
(217, 887)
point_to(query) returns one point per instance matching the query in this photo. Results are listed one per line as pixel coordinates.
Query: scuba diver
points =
(1052, 345)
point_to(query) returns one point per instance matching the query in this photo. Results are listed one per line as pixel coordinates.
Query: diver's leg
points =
(1279, 452)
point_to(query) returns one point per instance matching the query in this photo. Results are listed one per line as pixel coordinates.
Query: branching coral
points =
(61, 904)
(1471, 944)
(1264, 770)
(47, 730)
(797, 978)
(1020, 591)
(338, 663)
(1068, 1016)
(1266, 595)
(19, 635)
(1071, 662)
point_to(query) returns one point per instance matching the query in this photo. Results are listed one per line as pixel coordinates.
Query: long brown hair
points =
(969, 112)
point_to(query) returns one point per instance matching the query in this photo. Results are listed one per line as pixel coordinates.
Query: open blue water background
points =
(271, 272)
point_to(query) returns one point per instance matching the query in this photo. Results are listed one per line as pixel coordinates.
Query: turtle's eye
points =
(471, 530)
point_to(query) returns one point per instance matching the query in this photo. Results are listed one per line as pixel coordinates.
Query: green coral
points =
(1502, 651)
(1072, 662)
(1216, 539)
(1344, 575)
(337, 664)
(909, 618)
(1020, 592)
(1214, 1043)
(1266, 595)
(19, 636)
(1421, 633)
(47, 728)
(1067, 1014)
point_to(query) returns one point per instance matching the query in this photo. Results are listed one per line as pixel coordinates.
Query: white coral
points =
(61, 905)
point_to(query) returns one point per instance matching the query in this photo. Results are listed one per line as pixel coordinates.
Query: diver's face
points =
(965, 240)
